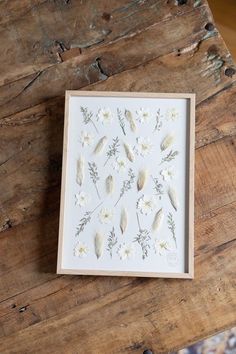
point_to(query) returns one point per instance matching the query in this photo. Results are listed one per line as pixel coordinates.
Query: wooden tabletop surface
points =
(117, 45)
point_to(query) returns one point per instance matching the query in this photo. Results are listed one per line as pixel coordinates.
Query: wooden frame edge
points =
(189, 274)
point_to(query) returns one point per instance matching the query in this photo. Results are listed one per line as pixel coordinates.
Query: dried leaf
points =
(80, 171)
(131, 120)
(123, 220)
(100, 145)
(110, 184)
(142, 179)
(157, 222)
(99, 244)
(167, 141)
(173, 198)
(129, 152)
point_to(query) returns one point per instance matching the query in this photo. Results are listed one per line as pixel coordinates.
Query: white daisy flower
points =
(104, 115)
(146, 204)
(86, 138)
(120, 164)
(172, 114)
(105, 216)
(82, 199)
(167, 174)
(126, 251)
(80, 250)
(144, 146)
(144, 115)
(161, 247)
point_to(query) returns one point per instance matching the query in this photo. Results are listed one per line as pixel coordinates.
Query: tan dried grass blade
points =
(99, 244)
(142, 179)
(158, 219)
(123, 220)
(100, 145)
(80, 171)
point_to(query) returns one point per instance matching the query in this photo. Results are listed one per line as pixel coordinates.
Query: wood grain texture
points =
(121, 46)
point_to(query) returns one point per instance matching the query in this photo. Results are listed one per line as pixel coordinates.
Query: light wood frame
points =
(189, 259)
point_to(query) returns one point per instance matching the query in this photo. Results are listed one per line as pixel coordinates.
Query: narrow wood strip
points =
(114, 313)
(201, 66)
(73, 24)
(213, 231)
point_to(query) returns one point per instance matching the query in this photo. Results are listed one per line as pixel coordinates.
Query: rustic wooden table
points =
(122, 45)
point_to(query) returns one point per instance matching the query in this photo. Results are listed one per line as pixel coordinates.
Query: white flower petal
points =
(80, 250)
(120, 164)
(82, 199)
(146, 204)
(161, 247)
(105, 216)
(104, 115)
(126, 251)
(144, 115)
(86, 138)
(172, 114)
(144, 146)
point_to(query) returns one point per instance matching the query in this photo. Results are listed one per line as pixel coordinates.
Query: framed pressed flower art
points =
(127, 185)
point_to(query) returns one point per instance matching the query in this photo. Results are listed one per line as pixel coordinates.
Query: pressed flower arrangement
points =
(127, 185)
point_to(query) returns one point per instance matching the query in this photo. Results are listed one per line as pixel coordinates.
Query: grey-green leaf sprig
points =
(170, 156)
(93, 171)
(87, 117)
(111, 241)
(143, 238)
(121, 120)
(171, 227)
(113, 149)
(86, 219)
(158, 124)
(127, 185)
(158, 187)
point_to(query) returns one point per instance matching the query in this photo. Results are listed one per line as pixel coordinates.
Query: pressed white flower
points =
(104, 115)
(86, 138)
(126, 251)
(80, 250)
(105, 216)
(146, 204)
(161, 246)
(144, 146)
(167, 174)
(144, 115)
(120, 164)
(81, 199)
(172, 114)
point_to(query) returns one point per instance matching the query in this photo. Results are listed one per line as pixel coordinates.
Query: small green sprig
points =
(158, 187)
(127, 185)
(158, 121)
(87, 117)
(112, 241)
(93, 171)
(121, 120)
(113, 149)
(143, 238)
(85, 220)
(170, 156)
(171, 227)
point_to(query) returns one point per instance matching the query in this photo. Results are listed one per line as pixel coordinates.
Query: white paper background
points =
(175, 261)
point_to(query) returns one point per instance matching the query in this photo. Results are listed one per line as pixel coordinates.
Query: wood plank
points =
(62, 294)
(181, 56)
(215, 117)
(32, 141)
(105, 321)
(38, 239)
(72, 24)
(215, 163)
